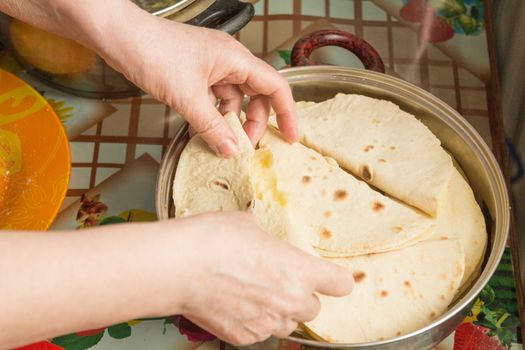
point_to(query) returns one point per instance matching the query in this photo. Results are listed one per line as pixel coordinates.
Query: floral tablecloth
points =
(116, 146)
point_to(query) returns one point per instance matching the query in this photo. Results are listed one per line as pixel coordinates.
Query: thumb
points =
(331, 279)
(209, 124)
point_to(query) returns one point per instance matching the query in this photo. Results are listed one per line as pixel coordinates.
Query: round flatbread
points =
(394, 293)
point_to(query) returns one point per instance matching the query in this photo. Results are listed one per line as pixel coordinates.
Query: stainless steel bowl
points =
(318, 83)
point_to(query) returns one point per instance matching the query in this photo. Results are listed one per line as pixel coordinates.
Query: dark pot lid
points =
(163, 7)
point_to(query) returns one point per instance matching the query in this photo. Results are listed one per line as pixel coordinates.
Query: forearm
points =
(89, 22)
(57, 283)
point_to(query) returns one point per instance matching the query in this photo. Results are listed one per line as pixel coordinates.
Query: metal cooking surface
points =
(163, 7)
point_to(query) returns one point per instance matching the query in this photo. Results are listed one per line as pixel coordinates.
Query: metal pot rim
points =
(168, 10)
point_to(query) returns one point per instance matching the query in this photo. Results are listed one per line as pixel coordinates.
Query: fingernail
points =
(227, 148)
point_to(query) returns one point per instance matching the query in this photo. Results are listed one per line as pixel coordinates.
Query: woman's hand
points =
(220, 270)
(184, 66)
(189, 68)
(244, 285)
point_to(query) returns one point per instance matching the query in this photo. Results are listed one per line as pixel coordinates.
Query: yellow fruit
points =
(49, 52)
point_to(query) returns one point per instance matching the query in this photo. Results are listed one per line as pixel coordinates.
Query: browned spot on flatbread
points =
(221, 184)
(326, 233)
(381, 160)
(407, 284)
(381, 338)
(309, 169)
(366, 173)
(325, 177)
(306, 179)
(250, 204)
(432, 315)
(313, 157)
(340, 195)
(444, 238)
(413, 273)
(443, 276)
(376, 121)
(393, 148)
(359, 276)
(378, 206)
(442, 297)
(368, 148)
(397, 229)
(383, 294)
(398, 333)
(327, 214)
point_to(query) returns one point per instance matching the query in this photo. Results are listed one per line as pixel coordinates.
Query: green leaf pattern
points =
(75, 342)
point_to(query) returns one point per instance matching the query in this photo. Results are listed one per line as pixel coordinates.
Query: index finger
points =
(331, 279)
(265, 80)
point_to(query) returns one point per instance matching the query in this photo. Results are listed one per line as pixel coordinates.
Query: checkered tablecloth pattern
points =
(139, 125)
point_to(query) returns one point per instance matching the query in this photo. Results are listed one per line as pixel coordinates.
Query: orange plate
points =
(34, 157)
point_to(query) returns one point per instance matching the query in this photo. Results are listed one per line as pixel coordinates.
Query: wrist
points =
(167, 266)
(96, 25)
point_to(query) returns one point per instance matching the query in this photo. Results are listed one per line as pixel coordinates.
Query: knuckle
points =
(243, 337)
(288, 304)
(228, 91)
(208, 126)
(281, 87)
(286, 329)
(235, 334)
(239, 75)
(239, 339)
(261, 336)
(315, 307)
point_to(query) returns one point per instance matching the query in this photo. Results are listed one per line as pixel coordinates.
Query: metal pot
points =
(86, 74)
(318, 83)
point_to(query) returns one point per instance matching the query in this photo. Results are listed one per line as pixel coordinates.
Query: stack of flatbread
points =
(368, 187)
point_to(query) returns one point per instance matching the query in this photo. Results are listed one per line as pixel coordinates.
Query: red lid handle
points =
(364, 51)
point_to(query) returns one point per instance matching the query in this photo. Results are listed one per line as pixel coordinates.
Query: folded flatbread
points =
(395, 293)
(205, 182)
(380, 143)
(328, 208)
